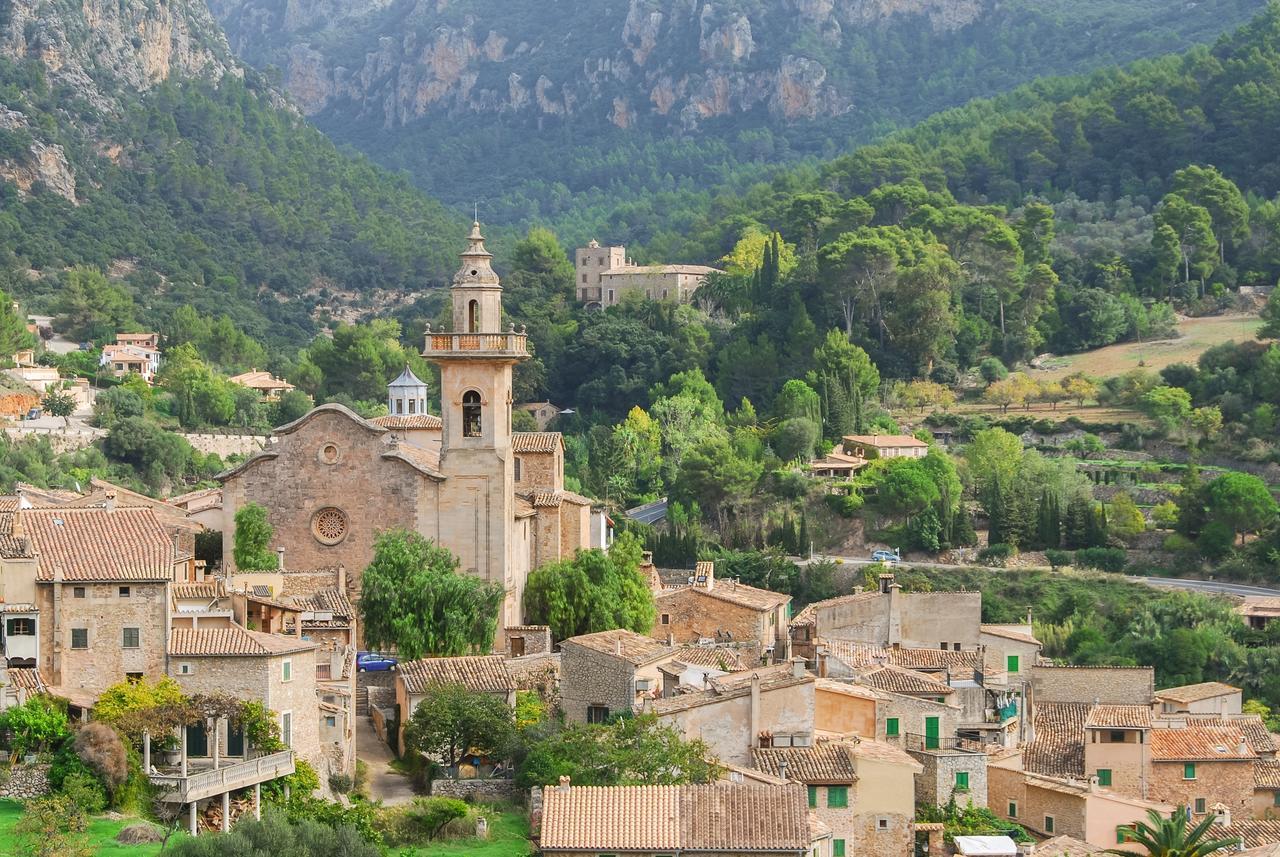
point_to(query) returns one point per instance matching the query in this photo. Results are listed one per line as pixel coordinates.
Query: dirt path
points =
(385, 783)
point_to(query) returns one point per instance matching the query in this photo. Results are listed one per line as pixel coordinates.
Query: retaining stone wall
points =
(26, 782)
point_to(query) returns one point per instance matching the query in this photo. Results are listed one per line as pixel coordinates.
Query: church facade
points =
(495, 498)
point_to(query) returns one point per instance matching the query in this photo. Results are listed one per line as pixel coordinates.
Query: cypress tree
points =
(996, 513)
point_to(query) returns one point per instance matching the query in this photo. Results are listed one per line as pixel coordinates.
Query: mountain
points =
(582, 108)
(132, 141)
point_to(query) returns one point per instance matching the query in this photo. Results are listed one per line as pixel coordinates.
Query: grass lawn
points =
(102, 833)
(508, 837)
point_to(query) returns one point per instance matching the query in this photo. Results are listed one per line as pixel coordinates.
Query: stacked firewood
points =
(212, 818)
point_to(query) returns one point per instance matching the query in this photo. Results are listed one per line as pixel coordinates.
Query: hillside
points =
(132, 141)
(607, 110)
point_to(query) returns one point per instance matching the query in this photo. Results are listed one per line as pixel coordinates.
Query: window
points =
(891, 727)
(1189, 771)
(473, 317)
(837, 848)
(131, 640)
(124, 592)
(1275, 798)
(79, 638)
(78, 592)
(1104, 777)
(1011, 663)
(813, 797)
(1200, 806)
(666, 618)
(1048, 824)
(185, 669)
(133, 678)
(399, 406)
(286, 728)
(610, 295)
(597, 713)
(286, 670)
(1117, 736)
(602, 260)
(882, 823)
(962, 781)
(1013, 809)
(584, 278)
(20, 628)
(471, 414)
(837, 797)
(413, 406)
(331, 721)
(517, 469)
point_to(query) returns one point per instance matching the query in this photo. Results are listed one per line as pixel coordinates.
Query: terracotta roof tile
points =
(232, 642)
(1253, 833)
(827, 762)
(11, 546)
(1058, 748)
(1189, 693)
(486, 673)
(884, 441)
(405, 422)
(426, 461)
(716, 657)
(97, 544)
(1066, 846)
(328, 600)
(717, 817)
(259, 380)
(8, 503)
(207, 589)
(904, 681)
(808, 615)
(883, 751)
(761, 600)
(1266, 774)
(27, 679)
(856, 654)
(628, 645)
(1255, 730)
(1200, 743)
(536, 441)
(1009, 634)
(1119, 717)
(17, 607)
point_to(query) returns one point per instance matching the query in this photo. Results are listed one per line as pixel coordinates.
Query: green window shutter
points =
(1012, 663)
(813, 797)
(1275, 798)
(1189, 771)
(837, 848)
(1200, 805)
(1048, 824)
(931, 736)
(837, 797)
(891, 727)
(1104, 777)
(962, 781)
(1013, 809)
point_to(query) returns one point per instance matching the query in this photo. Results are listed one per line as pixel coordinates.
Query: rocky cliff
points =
(678, 61)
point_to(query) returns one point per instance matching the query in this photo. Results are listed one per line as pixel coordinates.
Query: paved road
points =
(385, 783)
(650, 513)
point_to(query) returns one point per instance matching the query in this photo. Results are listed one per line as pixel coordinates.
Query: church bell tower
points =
(476, 360)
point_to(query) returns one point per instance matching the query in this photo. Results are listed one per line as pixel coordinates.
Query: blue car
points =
(374, 662)
(888, 557)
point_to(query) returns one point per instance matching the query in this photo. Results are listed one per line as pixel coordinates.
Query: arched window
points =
(471, 414)
(473, 317)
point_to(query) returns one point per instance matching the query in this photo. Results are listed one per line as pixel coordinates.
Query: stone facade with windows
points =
(608, 673)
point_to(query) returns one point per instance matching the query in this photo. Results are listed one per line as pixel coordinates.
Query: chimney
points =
(754, 726)
(1243, 749)
(798, 667)
(280, 558)
(646, 558)
(617, 647)
(671, 639)
(1223, 812)
(111, 499)
(341, 574)
(564, 785)
(782, 768)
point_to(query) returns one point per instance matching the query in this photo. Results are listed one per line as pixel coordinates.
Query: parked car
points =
(374, 662)
(888, 557)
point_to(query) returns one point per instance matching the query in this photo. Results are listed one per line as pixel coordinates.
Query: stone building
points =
(724, 611)
(609, 672)
(266, 385)
(481, 674)
(1209, 697)
(332, 479)
(1110, 685)
(1199, 766)
(604, 275)
(872, 446)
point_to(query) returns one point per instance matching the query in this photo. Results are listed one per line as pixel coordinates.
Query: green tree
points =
(1169, 406)
(134, 707)
(1124, 518)
(39, 724)
(59, 403)
(414, 598)
(628, 751)
(1194, 228)
(14, 336)
(1218, 195)
(992, 453)
(717, 477)
(90, 308)
(452, 722)
(1271, 317)
(1242, 502)
(252, 550)
(53, 826)
(1175, 836)
(594, 591)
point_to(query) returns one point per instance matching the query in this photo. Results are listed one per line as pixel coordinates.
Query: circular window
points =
(329, 526)
(330, 454)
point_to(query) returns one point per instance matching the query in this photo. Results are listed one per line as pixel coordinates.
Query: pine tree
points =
(962, 532)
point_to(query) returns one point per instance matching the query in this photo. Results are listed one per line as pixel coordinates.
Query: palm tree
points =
(1174, 836)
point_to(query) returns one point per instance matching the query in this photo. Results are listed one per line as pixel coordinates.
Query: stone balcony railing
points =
(175, 788)
(479, 345)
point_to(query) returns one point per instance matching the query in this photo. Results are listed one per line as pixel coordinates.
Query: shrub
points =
(430, 815)
(38, 724)
(340, 783)
(991, 370)
(1102, 559)
(1178, 543)
(997, 555)
(99, 746)
(844, 505)
(1058, 558)
(85, 791)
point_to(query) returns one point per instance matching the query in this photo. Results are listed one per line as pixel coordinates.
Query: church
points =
(495, 498)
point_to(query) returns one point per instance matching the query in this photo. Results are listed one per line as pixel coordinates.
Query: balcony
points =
(940, 745)
(199, 785)
(481, 346)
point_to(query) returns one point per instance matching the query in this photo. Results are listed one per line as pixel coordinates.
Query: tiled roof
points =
(719, 692)
(827, 762)
(628, 645)
(1009, 634)
(1119, 717)
(808, 615)
(97, 544)
(486, 673)
(259, 380)
(722, 817)
(426, 461)
(405, 422)
(1199, 743)
(17, 607)
(708, 656)
(11, 546)
(8, 503)
(761, 600)
(1255, 731)
(1266, 774)
(1058, 748)
(857, 654)
(883, 751)
(905, 681)
(1253, 833)
(329, 600)
(208, 589)
(1189, 693)
(232, 642)
(884, 441)
(1066, 846)
(536, 441)
(27, 679)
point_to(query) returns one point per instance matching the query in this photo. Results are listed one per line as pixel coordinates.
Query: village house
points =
(331, 479)
(203, 507)
(1209, 697)
(862, 790)
(693, 667)
(604, 275)
(609, 672)
(268, 387)
(542, 412)
(480, 674)
(1199, 766)
(873, 446)
(718, 818)
(1258, 611)
(132, 354)
(723, 611)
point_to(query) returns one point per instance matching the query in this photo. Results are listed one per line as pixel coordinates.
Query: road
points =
(1209, 587)
(650, 513)
(385, 783)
